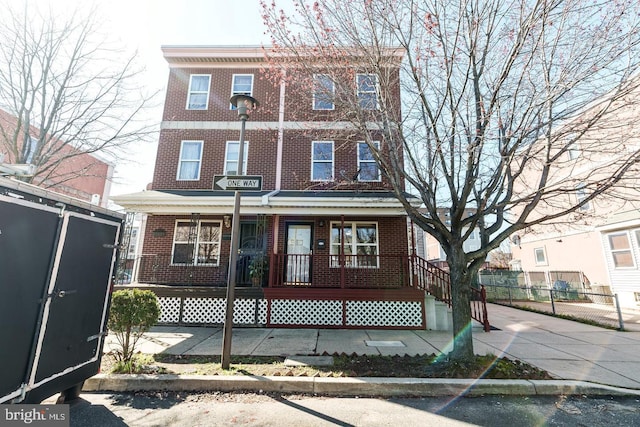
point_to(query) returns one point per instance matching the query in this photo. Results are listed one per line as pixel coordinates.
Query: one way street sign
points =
(237, 182)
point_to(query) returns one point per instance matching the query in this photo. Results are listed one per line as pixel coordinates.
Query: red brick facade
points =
(267, 132)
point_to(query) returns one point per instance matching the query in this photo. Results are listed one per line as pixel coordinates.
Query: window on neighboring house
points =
(367, 91)
(30, 152)
(620, 249)
(323, 92)
(360, 244)
(197, 244)
(242, 85)
(190, 158)
(133, 244)
(232, 156)
(367, 167)
(581, 194)
(198, 98)
(541, 256)
(322, 161)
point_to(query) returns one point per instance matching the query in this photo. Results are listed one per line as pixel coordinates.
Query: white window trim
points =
(354, 245)
(190, 160)
(206, 105)
(333, 161)
(245, 157)
(333, 90)
(377, 144)
(233, 92)
(544, 253)
(196, 243)
(375, 90)
(629, 249)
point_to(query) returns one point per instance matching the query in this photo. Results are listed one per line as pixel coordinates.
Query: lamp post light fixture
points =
(243, 103)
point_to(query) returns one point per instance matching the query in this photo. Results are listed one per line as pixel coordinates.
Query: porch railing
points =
(339, 271)
(437, 282)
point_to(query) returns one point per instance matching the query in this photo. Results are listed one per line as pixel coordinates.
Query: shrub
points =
(133, 312)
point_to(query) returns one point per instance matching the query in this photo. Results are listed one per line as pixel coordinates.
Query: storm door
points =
(298, 268)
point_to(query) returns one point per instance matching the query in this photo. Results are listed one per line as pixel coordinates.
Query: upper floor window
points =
(367, 85)
(30, 151)
(190, 159)
(620, 248)
(197, 243)
(242, 85)
(541, 256)
(367, 166)
(323, 92)
(581, 194)
(322, 160)
(198, 98)
(232, 156)
(359, 241)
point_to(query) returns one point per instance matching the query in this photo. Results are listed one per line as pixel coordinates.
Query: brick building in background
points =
(325, 241)
(84, 176)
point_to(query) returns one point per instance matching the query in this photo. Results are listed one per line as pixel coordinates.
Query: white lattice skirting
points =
(293, 312)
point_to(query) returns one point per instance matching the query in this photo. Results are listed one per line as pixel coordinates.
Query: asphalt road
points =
(225, 409)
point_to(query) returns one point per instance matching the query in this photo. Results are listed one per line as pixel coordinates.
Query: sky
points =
(144, 26)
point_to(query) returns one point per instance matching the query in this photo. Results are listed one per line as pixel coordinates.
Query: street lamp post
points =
(243, 103)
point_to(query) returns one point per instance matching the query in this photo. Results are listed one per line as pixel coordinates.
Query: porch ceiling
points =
(178, 202)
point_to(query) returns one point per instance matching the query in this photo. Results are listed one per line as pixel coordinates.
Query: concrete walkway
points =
(568, 350)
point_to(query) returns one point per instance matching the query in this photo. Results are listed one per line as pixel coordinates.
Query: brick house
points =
(326, 237)
(84, 176)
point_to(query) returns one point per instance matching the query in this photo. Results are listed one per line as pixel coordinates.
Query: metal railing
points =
(599, 308)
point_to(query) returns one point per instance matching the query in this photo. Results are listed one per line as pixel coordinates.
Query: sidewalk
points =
(567, 350)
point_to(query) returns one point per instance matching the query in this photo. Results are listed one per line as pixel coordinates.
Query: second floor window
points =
(242, 85)
(581, 194)
(367, 166)
(232, 156)
(323, 92)
(198, 98)
(367, 86)
(197, 244)
(322, 161)
(190, 159)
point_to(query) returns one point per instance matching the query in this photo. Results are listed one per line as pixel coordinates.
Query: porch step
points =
(438, 313)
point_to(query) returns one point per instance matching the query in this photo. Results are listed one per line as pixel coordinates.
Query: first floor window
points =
(367, 167)
(197, 243)
(190, 157)
(620, 248)
(322, 161)
(357, 241)
(541, 256)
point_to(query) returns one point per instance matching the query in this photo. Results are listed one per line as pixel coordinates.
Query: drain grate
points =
(385, 344)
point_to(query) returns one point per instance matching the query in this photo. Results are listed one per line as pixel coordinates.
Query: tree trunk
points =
(461, 305)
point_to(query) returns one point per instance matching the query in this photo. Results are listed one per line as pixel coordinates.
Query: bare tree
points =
(66, 92)
(496, 94)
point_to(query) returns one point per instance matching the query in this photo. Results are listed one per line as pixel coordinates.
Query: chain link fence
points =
(600, 309)
(560, 293)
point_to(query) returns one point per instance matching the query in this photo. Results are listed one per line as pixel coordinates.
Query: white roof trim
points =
(161, 203)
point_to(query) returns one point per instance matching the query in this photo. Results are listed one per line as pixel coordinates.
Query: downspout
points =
(279, 151)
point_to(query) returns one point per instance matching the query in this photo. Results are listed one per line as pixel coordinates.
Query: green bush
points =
(133, 312)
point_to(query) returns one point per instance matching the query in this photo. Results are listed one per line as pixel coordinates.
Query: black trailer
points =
(57, 260)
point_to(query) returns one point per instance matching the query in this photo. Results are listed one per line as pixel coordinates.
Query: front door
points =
(298, 269)
(252, 244)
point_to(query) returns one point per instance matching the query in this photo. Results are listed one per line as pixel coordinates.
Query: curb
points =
(360, 386)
